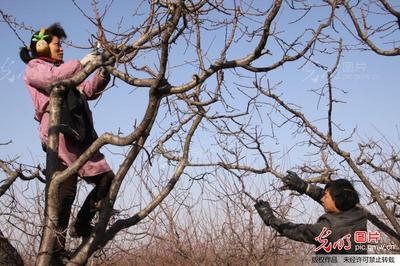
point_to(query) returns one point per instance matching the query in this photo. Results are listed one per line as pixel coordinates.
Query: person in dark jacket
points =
(334, 231)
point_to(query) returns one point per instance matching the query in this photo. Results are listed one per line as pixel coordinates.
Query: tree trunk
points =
(51, 217)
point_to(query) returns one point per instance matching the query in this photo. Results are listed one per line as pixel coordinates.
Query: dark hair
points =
(26, 54)
(343, 193)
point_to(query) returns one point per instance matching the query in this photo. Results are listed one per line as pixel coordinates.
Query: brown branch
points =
(219, 64)
(300, 54)
(380, 168)
(390, 8)
(364, 37)
(11, 177)
(7, 19)
(345, 155)
(330, 74)
(6, 143)
(125, 223)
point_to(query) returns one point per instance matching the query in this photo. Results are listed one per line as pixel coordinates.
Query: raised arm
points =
(40, 74)
(300, 232)
(315, 192)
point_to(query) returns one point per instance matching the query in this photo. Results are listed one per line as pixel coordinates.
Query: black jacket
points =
(340, 225)
(75, 118)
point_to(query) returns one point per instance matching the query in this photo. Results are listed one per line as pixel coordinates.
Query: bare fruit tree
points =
(216, 104)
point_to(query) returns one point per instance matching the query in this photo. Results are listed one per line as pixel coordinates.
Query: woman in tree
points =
(334, 231)
(45, 65)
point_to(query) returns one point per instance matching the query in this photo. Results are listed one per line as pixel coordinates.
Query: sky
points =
(371, 82)
(18, 125)
(371, 101)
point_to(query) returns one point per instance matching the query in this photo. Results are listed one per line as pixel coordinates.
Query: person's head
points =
(339, 195)
(45, 43)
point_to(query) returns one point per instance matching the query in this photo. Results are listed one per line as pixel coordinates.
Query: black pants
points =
(85, 215)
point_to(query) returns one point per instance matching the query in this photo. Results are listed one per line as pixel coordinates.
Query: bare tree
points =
(208, 71)
(8, 254)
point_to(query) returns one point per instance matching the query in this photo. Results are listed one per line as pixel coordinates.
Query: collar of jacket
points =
(51, 60)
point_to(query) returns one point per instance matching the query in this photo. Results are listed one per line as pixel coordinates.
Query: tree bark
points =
(51, 218)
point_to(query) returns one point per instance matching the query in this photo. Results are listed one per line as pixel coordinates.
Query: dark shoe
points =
(78, 230)
(60, 258)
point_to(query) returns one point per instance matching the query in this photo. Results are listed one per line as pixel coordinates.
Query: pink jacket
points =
(39, 74)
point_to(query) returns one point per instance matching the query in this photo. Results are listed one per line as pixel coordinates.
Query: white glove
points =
(89, 58)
